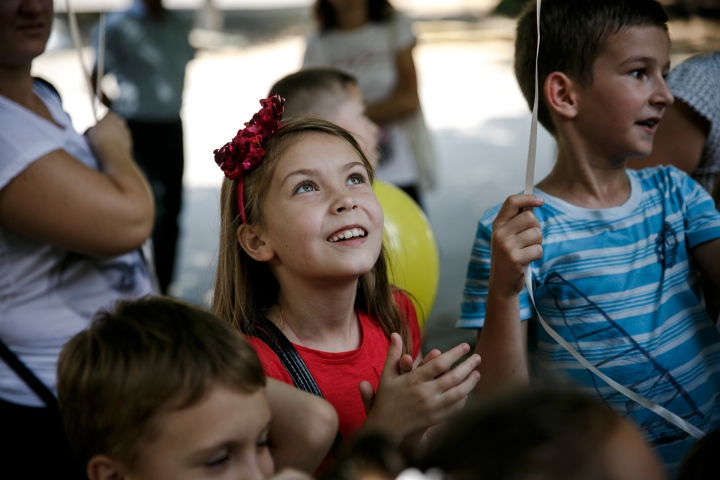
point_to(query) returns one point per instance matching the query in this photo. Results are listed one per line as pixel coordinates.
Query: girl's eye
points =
(305, 187)
(639, 73)
(355, 179)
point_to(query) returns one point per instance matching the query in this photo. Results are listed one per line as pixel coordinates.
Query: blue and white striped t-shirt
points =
(619, 285)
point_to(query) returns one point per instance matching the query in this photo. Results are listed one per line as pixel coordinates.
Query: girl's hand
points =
(406, 404)
(405, 365)
(516, 241)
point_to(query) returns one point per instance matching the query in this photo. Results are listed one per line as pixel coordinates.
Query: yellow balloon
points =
(410, 242)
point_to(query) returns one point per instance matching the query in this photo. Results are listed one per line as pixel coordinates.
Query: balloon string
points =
(100, 72)
(529, 181)
(75, 34)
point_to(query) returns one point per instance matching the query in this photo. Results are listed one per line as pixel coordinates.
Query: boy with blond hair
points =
(617, 272)
(161, 389)
(332, 95)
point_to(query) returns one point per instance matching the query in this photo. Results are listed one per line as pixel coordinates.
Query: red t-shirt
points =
(338, 374)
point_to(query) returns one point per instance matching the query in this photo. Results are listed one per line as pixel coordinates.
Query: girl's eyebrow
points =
(309, 172)
(303, 171)
(351, 165)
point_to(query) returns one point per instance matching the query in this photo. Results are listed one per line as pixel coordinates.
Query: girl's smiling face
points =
(321, 218)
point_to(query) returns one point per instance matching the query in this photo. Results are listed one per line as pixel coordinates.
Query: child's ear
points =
(102, 467)
(251, 240)
(560, 93)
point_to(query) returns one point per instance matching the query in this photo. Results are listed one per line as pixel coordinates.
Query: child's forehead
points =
(649, 43)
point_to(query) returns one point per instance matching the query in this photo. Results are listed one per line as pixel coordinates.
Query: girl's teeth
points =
(355, 232)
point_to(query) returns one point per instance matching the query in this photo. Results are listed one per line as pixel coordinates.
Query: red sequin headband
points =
(240, 156)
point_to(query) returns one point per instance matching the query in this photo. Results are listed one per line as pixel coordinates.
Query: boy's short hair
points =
(145, 357)
(539, 433)
(315, 92)
(573, 34)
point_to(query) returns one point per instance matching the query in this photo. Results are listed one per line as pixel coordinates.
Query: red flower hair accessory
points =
(240, 156)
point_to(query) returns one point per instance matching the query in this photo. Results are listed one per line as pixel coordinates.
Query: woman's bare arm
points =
(404, 100)
(59, 200)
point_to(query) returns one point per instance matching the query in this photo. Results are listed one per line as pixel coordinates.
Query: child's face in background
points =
(352, 117)
(223, 436)
(618, 113)
(321, 218)
(629, 457)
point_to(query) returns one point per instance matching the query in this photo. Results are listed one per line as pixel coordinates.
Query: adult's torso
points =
(48, 294)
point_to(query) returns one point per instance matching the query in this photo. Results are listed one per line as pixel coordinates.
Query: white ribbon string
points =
(529, 181)
(100, 60)
(75, 34)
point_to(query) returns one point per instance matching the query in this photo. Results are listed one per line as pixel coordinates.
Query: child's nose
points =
(344, 203)
(663, 96)
(252, 471)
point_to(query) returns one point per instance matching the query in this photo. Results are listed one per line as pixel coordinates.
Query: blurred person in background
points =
(147, 49)
(541, 434)
(73, 212)
(374, 43)
(688, 136)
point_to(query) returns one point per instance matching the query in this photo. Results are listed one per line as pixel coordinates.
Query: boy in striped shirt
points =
(617, 275)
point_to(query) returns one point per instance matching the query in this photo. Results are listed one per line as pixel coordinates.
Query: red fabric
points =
(338, 374)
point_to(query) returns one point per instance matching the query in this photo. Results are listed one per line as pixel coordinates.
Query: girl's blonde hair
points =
(245, 288)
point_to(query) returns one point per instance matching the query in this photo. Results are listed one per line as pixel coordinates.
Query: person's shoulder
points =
(403, 301)
(660, 176)
(47, 90)
(400, 18)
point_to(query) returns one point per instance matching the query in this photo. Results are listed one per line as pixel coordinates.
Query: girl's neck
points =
(351, 18)
(587, 179)
(319, 317)
(16, 85)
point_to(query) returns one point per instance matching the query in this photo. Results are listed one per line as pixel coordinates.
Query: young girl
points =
(302, 266)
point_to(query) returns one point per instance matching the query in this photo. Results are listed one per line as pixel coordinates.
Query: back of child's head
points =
(245, 288)
(144, 358)
(529, 434)
(700, 462)
(573, 34)
(315, 92)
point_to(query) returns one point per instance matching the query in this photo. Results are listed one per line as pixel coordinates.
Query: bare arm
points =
(303, 428)
(502, 343)
(59, 200)
(404, 101)
(707, 259)
(679, 140)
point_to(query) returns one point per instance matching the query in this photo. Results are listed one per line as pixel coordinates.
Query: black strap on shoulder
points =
(289, 357)
(263, 329)
(27, 376)
(48, 85)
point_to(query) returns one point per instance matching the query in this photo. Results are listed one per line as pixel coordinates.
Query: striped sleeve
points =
(702, 220)
(472, 312)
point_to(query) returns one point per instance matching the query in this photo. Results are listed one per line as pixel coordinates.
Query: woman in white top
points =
(73, 212)
(374, 43)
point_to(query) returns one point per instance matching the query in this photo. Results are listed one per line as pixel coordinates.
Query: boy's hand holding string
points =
(516, 242)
